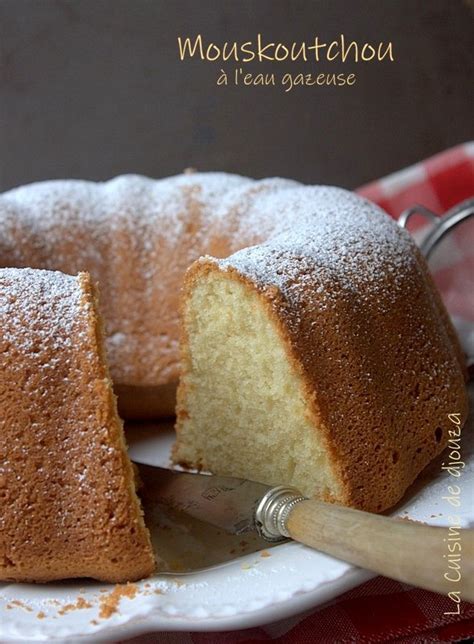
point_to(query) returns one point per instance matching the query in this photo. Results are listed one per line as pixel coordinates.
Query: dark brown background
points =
(94, 88)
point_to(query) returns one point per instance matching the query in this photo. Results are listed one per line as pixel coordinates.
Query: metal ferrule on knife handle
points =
(273, 511)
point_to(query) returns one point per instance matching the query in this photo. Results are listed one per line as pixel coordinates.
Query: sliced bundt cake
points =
(68, 506)
(322, 358)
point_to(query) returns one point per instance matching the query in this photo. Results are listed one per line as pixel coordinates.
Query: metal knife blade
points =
(225, 502)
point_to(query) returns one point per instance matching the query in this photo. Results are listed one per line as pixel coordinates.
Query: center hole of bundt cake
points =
(242, 410)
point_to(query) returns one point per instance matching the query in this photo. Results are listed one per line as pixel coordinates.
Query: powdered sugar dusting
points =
(39, 310)
(326, 236)
(137, 236)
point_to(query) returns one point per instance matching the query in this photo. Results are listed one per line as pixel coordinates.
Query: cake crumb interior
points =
(243, 410)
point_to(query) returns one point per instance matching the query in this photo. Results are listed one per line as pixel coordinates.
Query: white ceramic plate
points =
(256, 588)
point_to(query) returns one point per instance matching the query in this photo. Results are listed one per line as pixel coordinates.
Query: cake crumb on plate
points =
(109, 603)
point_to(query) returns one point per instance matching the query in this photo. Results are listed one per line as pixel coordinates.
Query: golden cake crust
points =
(68, 502)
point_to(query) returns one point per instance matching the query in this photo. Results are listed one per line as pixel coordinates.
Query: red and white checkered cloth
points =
(382, 610)
(439, 183)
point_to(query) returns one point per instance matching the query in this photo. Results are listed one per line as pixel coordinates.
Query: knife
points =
(401, 549)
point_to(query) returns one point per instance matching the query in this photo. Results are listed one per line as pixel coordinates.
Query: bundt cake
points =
(67, 489)
(322, 358)
(315, 351)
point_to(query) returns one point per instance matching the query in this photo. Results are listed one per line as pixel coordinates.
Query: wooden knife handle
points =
(436, 558)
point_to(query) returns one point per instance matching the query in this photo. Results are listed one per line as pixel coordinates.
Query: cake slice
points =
(68, 502)
(323, 359)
